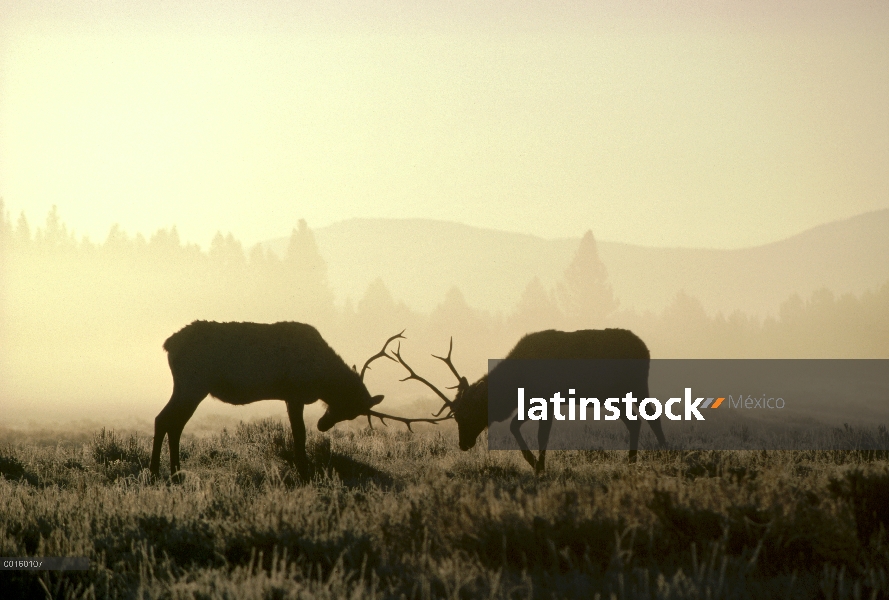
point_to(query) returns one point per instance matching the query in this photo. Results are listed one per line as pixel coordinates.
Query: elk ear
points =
(354, 368)
(463, 383)
(376, 400)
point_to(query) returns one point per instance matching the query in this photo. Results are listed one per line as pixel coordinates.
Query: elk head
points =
(469, 407)
(361, 405)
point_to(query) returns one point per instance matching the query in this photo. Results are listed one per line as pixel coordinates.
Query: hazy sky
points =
(661, 123)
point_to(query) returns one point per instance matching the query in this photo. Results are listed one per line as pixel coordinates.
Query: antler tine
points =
(381, 353)
(447, 361)
(413, 375)
(441, 410)
(405, 420)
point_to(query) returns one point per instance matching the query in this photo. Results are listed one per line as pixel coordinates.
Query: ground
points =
(390, 513)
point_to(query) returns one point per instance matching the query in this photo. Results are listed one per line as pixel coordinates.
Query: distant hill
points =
(419, 260)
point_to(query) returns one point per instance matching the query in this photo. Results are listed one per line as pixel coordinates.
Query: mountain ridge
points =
(419, 260)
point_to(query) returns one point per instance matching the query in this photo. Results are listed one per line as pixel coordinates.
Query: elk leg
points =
(658, 432)
(160, 432)
(656, 424)
(298, 428)
(161, 427)
(635, 427)
(515, 428)
(170, 422)
(174, 433)
(542, 440)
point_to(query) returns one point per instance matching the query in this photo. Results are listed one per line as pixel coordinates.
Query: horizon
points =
(265, 242)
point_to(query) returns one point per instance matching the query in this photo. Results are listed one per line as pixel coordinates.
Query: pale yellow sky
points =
(651, 123)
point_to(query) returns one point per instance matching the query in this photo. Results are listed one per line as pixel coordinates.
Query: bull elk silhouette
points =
(240, 363)
(470, 406)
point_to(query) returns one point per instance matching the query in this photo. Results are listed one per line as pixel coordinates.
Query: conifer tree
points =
(307, 274)
(536, 310)
(585, 293)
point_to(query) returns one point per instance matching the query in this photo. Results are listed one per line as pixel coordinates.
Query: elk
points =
(470, 406)
(240, 363)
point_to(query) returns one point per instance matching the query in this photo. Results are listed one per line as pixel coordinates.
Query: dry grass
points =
(393, 514)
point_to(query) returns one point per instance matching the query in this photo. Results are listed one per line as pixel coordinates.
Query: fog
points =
(82, 324)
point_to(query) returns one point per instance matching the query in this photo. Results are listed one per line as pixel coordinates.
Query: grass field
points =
(394, 514)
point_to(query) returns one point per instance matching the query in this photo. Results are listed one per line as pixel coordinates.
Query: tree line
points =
(66, 292)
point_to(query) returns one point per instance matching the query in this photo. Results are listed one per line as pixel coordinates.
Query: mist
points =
(82, 323)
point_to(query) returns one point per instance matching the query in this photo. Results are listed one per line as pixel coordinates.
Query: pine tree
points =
(23, 231)
(227, 253)
(55, 233)
(585, 294)
(303, 255)
(536, 310)
(307, 273)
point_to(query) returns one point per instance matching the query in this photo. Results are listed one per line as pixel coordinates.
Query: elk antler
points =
(381, 353)
(406, 421)
(447, 360)
(462, 383)
(448, 403)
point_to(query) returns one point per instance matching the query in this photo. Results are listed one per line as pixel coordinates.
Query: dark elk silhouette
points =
(470, 406)
(240, 363)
